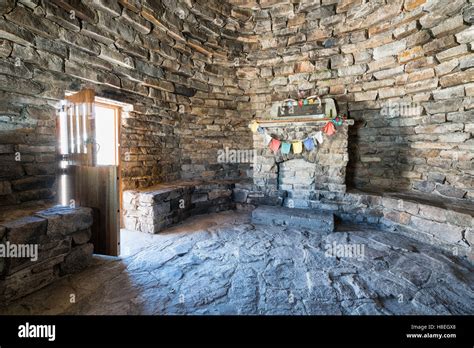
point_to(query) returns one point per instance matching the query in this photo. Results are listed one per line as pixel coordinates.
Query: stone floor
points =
(222, 264)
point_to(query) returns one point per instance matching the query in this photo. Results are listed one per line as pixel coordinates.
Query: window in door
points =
(106, 134)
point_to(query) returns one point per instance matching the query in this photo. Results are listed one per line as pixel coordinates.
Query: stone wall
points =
(61, 236)
(168, 60)
(197, 72)
(368, 55)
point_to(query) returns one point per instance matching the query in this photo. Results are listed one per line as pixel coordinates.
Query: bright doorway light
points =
(106, 134)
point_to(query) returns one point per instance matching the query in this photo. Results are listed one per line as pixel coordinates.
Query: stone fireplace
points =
(299, 178)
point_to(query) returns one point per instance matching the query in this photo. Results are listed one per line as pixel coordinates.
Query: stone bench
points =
(155, 208)
(61, 236)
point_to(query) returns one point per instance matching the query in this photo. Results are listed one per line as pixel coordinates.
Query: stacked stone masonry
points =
(403, 70)
(167, 59)
(197, 72)
(61, 236)
(155, 208)
(297, 176)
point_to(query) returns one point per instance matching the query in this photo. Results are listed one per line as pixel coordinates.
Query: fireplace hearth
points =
(301, 176)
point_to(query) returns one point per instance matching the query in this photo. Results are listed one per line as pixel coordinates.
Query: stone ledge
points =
(298, 218)
(448, 224)
(62, 237)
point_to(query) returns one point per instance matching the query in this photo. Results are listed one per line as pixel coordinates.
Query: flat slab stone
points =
(293, 217)
(223, 264)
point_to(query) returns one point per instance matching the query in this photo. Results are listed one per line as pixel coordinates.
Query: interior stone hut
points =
(237, 157)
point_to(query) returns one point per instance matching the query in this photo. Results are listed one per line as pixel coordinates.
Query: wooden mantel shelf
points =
(278, 123)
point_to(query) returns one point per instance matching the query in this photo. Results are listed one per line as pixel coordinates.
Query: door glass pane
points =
(63, 135)
(105, 135)
(78, 129)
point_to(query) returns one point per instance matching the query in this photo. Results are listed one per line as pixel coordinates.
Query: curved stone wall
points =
(168, 61)
(198, 71)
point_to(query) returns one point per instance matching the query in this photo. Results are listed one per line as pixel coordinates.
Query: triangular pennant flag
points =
(285, 148)
(319, 137)
(309, 144)
(267, 139)
(329, 128)
(253, 126)
(275, 145)
(297, 147)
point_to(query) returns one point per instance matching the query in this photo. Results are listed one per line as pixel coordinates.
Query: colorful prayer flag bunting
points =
(308, 144)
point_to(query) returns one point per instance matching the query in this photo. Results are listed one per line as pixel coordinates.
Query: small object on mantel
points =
(337, 121)
(329, 107)
(309, 107)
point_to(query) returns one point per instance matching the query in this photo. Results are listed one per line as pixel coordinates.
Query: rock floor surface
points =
(223, 264)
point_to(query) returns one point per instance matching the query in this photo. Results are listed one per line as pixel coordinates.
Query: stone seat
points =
(58, 242)
(454, 204)
(16, 212)
(155, 208)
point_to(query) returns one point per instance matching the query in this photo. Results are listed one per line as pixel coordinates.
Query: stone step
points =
(294, 217)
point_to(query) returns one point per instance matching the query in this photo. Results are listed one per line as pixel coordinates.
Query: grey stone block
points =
(2, 232)
(26, 230)
(240, 195)
(301, 218)
(64, 220)
(81, 237)
(78, 259)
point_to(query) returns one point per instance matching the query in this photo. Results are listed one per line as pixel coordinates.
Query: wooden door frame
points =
(110, 104)
(105, 199)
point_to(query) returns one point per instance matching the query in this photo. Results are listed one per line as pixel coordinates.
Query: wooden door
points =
(88, 182)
